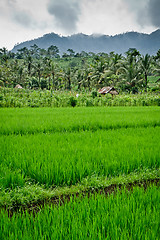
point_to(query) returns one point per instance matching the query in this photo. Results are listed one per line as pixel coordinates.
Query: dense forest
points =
(37, 68)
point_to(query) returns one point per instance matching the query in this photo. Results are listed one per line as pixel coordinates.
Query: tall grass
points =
(125, 215)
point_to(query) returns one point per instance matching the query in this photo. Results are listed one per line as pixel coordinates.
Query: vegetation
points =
(44, 98)
(64, 120)
(46, 148)
(52, 159)
(37, 68)
(57, 164)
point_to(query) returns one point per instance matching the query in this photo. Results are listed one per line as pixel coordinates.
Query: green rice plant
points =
(67, 158)
(125, 215)
(34, 195)
(10, 178)
(65, 146)
(47, 120)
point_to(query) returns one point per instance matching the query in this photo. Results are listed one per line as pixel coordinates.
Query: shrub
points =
(72, 101)
(94, 94)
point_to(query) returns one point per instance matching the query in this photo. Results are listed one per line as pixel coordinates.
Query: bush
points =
(94, 94)
(72, 101)
(1, 97)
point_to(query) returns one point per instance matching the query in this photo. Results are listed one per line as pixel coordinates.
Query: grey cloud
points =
(140, 10)
(8, 2)
(154, 12)
(146, 11)
(65, 12)
(24, 18)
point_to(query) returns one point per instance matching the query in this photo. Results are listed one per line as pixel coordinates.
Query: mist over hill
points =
(145, 43)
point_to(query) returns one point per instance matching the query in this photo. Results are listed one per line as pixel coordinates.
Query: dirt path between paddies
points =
(59, 200)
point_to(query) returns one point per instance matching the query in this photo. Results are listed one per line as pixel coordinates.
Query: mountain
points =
(145, 43)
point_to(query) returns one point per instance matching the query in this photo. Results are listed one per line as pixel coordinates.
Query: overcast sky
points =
(22, 20)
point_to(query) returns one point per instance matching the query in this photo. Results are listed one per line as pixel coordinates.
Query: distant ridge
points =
(120, 43)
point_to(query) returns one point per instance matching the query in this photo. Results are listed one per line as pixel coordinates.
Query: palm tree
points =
(146, 67)
(38, 71)
(129, 72)
(110, 76)
(97, 71)
(29, 61)
(53, 51)
(79, 77)
(3, 51)
(157, 57)
(35, 51)
(68, 78)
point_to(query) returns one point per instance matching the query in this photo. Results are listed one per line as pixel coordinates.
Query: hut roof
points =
(18, 86)
(110, 90)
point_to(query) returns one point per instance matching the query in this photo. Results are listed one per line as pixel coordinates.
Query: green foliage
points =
(44, 84)
(94, 94)
(38, 98)
(31, 67)
(1, 97)
(72, 101)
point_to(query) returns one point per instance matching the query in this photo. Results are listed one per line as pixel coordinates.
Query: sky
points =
(22, 20)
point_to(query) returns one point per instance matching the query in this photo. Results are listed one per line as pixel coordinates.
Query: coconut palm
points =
(38, 71)
(129, 72)
(145, 64)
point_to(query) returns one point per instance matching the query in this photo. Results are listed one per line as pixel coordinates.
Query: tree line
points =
(44, 68)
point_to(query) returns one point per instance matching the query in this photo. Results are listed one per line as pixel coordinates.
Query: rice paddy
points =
(46, 153)
(124, 215)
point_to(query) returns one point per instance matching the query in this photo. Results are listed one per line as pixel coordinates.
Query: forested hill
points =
(145, 43)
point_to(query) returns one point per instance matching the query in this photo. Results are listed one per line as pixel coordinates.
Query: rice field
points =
(48, 151)
(65, 159)
(124, 215)
(50, 120)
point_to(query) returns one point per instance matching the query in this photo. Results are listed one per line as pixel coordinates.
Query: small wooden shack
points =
(18, 86)
(106, 90)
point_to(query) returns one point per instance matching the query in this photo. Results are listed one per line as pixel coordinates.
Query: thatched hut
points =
(18, 86)
(106, 90)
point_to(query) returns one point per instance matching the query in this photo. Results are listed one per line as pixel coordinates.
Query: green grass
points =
(124, 215)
